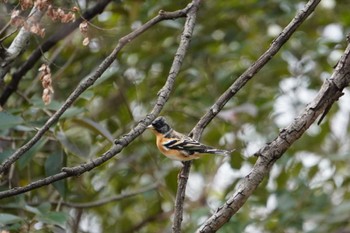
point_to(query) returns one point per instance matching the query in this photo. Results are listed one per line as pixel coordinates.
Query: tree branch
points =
(90, 80)
(61, 33)
(180, 196)
(160, 216)
(229, 93)
(163, 96)
(185, 171)
(330, 92)
(275, 46)
(20, 42)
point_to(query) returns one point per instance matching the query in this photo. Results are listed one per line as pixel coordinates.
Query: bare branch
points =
(122, 142)
(180, 196)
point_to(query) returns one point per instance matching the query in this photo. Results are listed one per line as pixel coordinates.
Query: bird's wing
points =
(186, 144)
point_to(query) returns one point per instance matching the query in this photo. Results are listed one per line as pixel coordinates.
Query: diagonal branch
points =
(233, 89)
(122, 142)
(275, 46)
(329, 93)
(90, 80)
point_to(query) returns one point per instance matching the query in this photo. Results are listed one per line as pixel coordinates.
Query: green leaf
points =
(76, 140)
(73, 111)
(9, 219)
(109, 73)
(44, 207)
(8, 120)
(54, 106)
(54, 218)
(236, 160)
(87, 95)
(94, 126)
(5, 154)
(26, 157)
(53, 165)
(32, 209)
(10, 223)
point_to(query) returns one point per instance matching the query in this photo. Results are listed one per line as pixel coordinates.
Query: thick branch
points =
(330, 91)
(163, 96)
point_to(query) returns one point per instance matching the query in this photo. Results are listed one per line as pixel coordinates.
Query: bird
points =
(178, 146)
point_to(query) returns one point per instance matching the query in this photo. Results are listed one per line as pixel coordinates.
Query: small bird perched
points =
(178, 146)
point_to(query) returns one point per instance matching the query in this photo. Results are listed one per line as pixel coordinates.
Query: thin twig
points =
(106, 200)
(10, 34)
(20, 42)
(61, 33)
(122, 142)
(3, 29)
(158, 217)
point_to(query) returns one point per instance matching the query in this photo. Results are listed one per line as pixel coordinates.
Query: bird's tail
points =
(219, 152)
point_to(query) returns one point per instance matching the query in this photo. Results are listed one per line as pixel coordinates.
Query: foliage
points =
(306, 186)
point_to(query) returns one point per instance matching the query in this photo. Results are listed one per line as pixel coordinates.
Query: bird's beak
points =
(150, 127)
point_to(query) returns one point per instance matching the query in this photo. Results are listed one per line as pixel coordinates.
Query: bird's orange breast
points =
(172, 154)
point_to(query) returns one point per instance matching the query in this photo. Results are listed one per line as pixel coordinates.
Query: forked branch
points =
(235, 87)
(123, 141)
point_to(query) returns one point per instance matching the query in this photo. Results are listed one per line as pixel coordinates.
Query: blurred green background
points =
(308, 188)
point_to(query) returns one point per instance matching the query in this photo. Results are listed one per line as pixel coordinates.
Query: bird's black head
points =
(160, 125)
